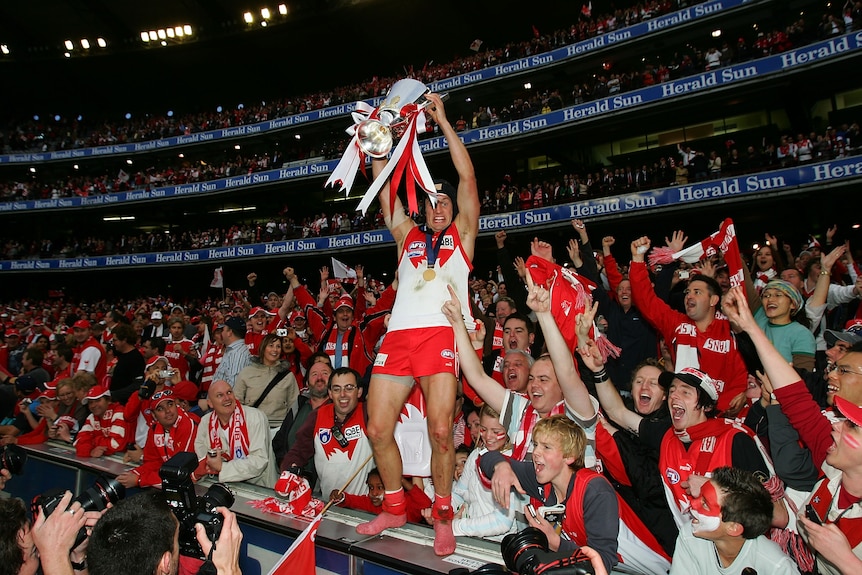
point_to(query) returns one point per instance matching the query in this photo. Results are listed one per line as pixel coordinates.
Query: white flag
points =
(342, 271)
(218, 278)
(475, 45)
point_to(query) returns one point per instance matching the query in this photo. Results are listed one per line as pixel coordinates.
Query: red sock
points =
(442, 509)
(394, 515)
(444, 539)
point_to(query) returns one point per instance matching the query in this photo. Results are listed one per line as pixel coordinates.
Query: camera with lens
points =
(12, 457)
(104, 491)
(189, 509)
(526, 553)
(147, 387)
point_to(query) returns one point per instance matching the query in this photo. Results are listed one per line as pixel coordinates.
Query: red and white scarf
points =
(238, 432)
(723, 240)
(571, 294)
(524, 437)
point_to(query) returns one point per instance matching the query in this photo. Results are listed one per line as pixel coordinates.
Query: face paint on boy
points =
(706, 510)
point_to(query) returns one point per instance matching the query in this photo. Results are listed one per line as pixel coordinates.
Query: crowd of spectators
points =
(695, 162)
(616, 78)
(40, 335)
(68, 133)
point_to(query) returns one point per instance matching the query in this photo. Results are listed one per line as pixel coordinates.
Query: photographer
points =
(138, 410)
(141, 535)
(47, 543)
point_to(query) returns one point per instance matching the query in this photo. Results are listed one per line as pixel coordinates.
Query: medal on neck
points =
(432, 250)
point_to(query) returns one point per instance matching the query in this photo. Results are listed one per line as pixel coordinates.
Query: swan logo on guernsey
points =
(324, 434)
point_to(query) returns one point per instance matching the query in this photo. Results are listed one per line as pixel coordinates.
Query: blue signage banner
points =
(559, 119)
(663, 23)
(787, 179)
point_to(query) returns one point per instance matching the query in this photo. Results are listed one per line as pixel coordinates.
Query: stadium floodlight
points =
(282, 9)
(161, 33)
(264, 13)
(101, 42)
(85, 44)
(187, 29)
(69, 45)
(249, 19)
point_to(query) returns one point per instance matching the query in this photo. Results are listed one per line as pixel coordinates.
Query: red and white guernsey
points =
(420, 300)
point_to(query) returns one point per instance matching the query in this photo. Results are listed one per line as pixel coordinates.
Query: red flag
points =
(536, 32)
(299, 559)
(724, 240)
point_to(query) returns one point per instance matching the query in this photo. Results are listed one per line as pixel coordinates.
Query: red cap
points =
(344, 300)
(81, 324)
(161, 396)
(185, 390)
(13, 333)
(256, 310)
(849, 410)
(50, 393)
(96, 392)
(155, 358)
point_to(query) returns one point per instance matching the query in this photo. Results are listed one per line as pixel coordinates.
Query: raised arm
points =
(609, 397)
(821, 288)
(467, 220)
(735, 306)
(395, 217)
(574, 391)
(471, 368)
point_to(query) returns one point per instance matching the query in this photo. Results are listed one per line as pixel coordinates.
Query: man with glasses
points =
(335, 437)
(173, 432)
(831, 522)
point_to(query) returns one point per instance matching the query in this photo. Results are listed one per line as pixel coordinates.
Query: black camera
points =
(526, 553)
(147, 388)
(105, 490)
(179, 492)
(12, 457)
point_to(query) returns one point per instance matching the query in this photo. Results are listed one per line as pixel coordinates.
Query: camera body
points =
(526, 553)
(166, 373)
(147, 387)
(189, 509)
(104, 491)
(12, 457)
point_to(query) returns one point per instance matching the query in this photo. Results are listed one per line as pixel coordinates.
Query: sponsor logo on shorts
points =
(380, 359)
(672, 476)
(324, 434)
(447, 354)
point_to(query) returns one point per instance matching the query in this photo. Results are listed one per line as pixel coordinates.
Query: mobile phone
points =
(281, 332)
(811, 515)
(684, 274)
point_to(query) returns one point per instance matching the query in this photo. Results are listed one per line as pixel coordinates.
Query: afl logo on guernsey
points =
(416, 249)
(447, 354)
(672, 476)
